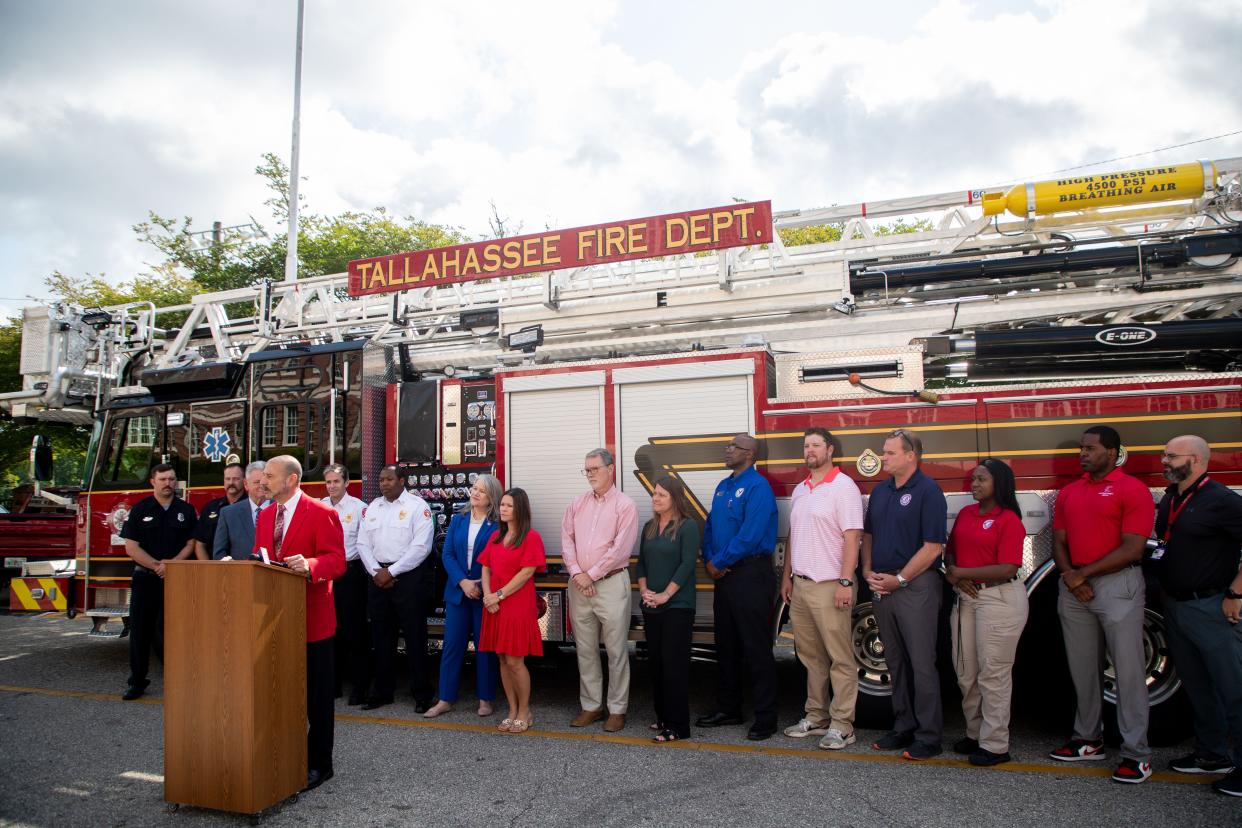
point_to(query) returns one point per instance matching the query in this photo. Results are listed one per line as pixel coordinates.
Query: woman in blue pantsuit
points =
(468, 533)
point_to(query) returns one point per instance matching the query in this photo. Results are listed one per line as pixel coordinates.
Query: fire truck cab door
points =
(213, 437)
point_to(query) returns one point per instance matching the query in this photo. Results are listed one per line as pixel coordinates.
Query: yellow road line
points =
(689, 744)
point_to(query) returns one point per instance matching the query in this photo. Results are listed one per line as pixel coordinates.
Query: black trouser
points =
(146, 623)
(743, 612)
(909, 621)
(353, 631)
(403, 606)
(320, 706)
(668, 646)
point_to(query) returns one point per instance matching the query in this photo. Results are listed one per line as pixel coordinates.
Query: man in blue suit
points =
(235, 530)
(468, 533)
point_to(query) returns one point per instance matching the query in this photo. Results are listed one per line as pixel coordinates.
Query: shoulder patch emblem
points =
(426, 513)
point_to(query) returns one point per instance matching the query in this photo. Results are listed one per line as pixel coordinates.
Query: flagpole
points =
(291, 255)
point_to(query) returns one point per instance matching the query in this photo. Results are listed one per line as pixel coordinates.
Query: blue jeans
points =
(1207, 654)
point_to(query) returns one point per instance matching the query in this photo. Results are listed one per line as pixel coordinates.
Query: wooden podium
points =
(234, 684)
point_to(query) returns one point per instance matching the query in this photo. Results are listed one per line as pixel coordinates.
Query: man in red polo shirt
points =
(1100, 526)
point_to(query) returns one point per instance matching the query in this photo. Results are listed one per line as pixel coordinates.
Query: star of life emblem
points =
(216, 444)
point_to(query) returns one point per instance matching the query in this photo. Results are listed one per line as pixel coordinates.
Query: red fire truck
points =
(660, 338)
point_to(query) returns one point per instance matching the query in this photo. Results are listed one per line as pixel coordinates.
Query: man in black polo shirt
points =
(234, 490)
(1199, 527)
(903, 539)
(159, 528)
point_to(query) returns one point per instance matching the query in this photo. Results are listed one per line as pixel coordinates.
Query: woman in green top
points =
(666, 561)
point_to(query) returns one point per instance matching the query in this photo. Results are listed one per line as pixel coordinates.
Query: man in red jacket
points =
(306, 535)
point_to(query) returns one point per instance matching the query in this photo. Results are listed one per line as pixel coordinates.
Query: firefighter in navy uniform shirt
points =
(234, 490)
(738, 541)
(1199, 526)
(160, 528)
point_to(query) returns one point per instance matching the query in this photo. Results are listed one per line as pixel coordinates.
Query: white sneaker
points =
(836, 740)
(805, 728)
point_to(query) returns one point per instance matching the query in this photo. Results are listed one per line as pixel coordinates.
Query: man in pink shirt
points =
(597, 537)
(825, 526)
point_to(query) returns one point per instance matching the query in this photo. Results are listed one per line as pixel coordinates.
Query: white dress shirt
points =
(396, 534)
(350, 510)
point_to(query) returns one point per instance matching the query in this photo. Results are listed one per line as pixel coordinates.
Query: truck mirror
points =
(41, 459)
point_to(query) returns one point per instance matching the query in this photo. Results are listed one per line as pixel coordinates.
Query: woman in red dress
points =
(511, 623)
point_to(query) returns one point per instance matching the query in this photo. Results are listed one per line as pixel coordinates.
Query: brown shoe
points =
(616, 721)
(586, 717)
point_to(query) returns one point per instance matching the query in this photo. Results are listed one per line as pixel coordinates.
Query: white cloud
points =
(569, 116)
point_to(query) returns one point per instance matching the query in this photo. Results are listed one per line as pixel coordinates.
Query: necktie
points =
(254, 510)
(278, 531)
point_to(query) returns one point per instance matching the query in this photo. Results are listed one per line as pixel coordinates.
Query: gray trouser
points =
(1113, 618)
(909, 619)
(1207, 654)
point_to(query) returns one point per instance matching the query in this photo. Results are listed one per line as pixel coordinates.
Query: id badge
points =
(1158, 552)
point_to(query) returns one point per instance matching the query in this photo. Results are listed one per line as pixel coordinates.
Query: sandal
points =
(667, 735)
(505, 726)
(519, 726)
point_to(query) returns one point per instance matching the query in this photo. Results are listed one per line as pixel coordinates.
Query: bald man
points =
(1199, 529)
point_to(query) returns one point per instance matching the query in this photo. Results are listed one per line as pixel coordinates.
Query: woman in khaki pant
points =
(982, 559)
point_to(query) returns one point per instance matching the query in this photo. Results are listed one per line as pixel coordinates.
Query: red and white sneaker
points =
(1079, 750)
(1132, 772)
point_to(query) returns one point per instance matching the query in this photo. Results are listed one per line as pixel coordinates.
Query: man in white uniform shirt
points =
(394, 544)
(353, 631)
(825, 527)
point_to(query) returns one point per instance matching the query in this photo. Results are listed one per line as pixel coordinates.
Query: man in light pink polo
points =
(825, 526)
(597, 538)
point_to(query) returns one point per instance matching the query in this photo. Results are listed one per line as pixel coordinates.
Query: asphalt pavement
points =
(72, 753)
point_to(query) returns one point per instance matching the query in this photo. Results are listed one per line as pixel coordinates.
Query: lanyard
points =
(1175, 511)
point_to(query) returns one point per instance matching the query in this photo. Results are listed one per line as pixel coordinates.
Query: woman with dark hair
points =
(667, 555)
(982, 562)
(511, 623)
(468, 532)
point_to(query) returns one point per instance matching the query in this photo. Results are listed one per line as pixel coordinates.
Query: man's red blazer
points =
(314, 533)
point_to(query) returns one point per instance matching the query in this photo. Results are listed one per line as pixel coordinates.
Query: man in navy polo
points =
(738, 542)
(903, 539)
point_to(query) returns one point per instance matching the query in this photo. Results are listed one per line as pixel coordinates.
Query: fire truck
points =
(1007, 323)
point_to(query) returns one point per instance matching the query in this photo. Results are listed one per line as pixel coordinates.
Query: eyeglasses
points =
(1167, 456)
(587, 472)
(905, 438)
(736, 447)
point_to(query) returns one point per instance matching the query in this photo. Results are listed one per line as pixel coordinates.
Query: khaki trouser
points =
(822, 637)
(603, 618)
(985, 631)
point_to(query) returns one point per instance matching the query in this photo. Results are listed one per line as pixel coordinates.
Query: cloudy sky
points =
(569, 113)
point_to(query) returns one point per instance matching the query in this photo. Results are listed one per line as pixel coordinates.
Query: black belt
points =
(990, 584)
(750, 559)
(1192, 594)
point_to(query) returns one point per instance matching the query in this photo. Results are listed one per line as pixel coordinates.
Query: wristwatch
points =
(500, 595)
(1231, 595)
(845, 582)
(902, 581)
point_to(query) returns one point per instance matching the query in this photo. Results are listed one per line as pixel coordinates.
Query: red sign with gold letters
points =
(717, 228)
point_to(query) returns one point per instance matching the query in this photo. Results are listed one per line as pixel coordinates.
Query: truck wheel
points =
(874, 708)
(72, 613)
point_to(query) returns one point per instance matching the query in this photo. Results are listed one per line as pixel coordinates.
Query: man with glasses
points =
(1100, 526)
(904, 534)
(598, 533)
(1199, 529)
(738, 541)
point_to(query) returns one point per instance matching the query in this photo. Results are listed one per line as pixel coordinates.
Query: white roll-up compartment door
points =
(683, 407)
(548, 434)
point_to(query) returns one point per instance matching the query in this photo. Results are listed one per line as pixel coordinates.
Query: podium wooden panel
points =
(234, 684)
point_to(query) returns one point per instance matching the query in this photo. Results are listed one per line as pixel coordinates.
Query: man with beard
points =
(1199, 527)
(205, 531)
(1100, 526)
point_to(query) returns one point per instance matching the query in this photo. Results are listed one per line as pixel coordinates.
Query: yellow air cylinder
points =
(1182, 181)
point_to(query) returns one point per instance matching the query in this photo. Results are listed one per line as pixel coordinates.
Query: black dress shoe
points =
(375, 702)
(315, 778)
(758, 733)
(132, 693)
(356, 699)
(719, 719)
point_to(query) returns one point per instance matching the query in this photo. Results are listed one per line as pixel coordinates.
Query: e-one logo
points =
(1125, 336)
